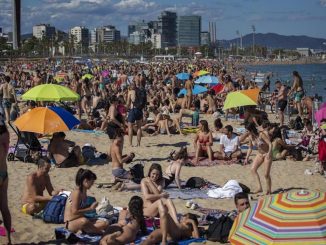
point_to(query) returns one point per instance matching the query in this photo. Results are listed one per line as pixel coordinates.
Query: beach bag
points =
(137, 173)
(322, 150)
(55, 209)
(196, 182)
(141, 99)
(219, 230)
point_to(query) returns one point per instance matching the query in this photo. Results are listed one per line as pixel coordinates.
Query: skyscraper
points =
(167, 24)
(80, 35)
(43, 30)
(16, 11)
(189, 29)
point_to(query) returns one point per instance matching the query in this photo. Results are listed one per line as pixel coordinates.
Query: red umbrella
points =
(218, 88)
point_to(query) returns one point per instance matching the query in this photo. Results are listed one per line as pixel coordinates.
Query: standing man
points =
(9, 96)
(136, 102)
(189, 87)
(282, 100)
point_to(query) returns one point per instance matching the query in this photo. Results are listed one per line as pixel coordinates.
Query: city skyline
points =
(303, 18)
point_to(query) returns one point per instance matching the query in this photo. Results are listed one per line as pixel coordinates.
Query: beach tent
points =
(50, 92)
(45, 120)
(297, 217)
(196, 90)
(241, 98)
(207, 80)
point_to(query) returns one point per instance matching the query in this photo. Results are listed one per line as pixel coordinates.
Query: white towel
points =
(229, 190)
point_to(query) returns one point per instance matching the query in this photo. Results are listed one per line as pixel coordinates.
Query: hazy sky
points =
(288, 17)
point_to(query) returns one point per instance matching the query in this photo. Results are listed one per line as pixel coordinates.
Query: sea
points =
(313, 75)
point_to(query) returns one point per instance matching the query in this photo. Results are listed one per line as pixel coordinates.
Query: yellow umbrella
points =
(89, 76)
(200, 73)
(241, 98)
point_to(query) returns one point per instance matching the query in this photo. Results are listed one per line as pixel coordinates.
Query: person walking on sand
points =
(264, 156)
(9, 96)
(297, 90)
(282, 100)
(4, 147)
(189, 87)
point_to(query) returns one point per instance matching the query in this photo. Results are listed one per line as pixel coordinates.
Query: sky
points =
(286, 17)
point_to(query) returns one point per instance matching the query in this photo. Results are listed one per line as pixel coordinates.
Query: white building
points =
(107, 34)
(137, 38)
(80, 35)
(156, 40)
(44, 30)
(304, 51)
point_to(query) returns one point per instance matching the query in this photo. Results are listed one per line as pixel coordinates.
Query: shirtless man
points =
(9, 95)
(189, 87)
(282, 100)
(33, 200)
(65, 152)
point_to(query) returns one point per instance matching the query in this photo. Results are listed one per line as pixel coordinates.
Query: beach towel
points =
(3, 231)
(187, 194)
(229, 190)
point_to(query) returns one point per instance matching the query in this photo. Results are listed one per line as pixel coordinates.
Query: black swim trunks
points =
(281, 105)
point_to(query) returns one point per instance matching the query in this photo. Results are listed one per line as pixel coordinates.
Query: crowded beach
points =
(98, 152)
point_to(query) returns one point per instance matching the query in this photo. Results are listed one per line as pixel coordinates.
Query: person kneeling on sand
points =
(76, 206)
(65, 153)
(33, 200)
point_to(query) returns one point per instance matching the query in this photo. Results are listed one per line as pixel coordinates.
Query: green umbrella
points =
(89, 76)
(241, 98)
(50, 92)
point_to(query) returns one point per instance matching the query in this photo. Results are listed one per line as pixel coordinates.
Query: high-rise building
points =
(131, 28)
(44, 30)
(156, 41)
(107, 34)
(80, 35)
(205, 38)
(16, 12)
(189, 29)
(137, 38)
(167, 25)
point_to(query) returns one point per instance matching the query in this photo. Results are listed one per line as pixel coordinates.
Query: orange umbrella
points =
(200, 73)
(241, 98)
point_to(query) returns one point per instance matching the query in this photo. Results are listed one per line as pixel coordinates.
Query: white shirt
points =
(230, 144)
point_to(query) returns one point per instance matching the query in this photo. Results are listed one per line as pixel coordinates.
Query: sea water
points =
(313, 76)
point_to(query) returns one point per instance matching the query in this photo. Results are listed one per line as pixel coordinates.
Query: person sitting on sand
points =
(130, 223)
(167, 125)
(252, 115)
(76, 206)
(203, 141)
(172, 172)
(264, 156)
(279, 147)
(65, 153)
(33, 200)
(173, 230)
(152, 190)
(229, 145)
(219, 129)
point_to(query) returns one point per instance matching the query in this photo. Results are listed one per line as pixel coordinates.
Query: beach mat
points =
(187, 194)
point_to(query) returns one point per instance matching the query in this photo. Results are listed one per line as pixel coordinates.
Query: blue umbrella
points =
(207, 80)
(183, 76)
(68, 118)
(196, 90)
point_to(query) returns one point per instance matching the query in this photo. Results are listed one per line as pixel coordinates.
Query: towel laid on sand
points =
(3, 231)
(231, 188)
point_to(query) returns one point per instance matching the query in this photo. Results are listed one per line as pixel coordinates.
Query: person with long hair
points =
(297, 90)
(264, 155)
(152, 190)
(77, 206)
(203, 141)
(130, 222)
(4, 147)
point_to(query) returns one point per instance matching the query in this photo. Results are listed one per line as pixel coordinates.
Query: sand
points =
(285, 174)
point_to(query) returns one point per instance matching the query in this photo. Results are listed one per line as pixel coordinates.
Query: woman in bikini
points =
(203, 141)
(86, 96)
(4, 147)
(264, 155)
(130, 222)
(76, 206)
(152, 190)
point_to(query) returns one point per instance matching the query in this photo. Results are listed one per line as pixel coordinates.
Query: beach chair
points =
(27, 143)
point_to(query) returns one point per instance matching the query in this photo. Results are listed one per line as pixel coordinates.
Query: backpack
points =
(137, 173)
(219, 230)
(55, 209)
(141, 98)
(196, 182)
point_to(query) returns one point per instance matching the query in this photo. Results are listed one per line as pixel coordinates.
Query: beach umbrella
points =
(89, 76)
(200, 73)
(50, 92)
(218, 88)
(207, 80)
(320, 114)
(241, 98)
(196, 90)
(297, 217)
(45, 120)
(183, 76)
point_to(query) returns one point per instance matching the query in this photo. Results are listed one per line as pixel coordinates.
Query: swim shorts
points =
(134, 115)
(298, 96)
(281, 105)
(120, 173)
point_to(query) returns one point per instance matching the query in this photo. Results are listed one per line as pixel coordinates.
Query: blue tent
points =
(196, 90)
(183, 76)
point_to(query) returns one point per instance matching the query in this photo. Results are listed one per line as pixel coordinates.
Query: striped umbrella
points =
(286, 218)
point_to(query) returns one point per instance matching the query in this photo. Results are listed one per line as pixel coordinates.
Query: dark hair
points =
(42, 161)
(266, 124)
(114, 99)
(240, 195)
(204, 123)
(59, 135)
(83, 174)
(135, 207)
(278, 81)
(182, 154)
(158, 167)
(251, 127)
(192, 217)
(229, 128)
(218, 123)
(7, 79)
(277, 133)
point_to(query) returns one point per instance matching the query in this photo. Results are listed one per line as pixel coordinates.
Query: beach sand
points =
(285, 174)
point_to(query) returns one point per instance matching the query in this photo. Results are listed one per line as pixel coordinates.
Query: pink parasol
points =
(105, 73)
(320, 114)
